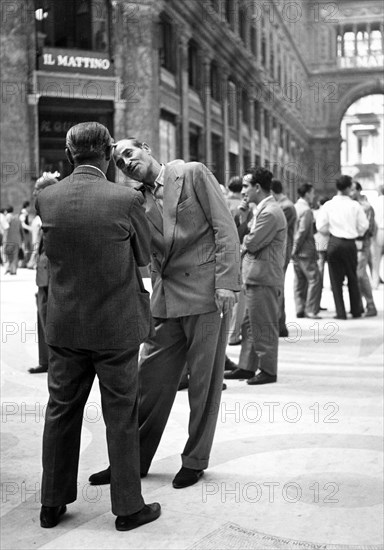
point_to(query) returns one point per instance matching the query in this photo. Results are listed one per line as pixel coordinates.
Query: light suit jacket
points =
(264, 247)
(304, 244)
(194, 246)
(95, 237)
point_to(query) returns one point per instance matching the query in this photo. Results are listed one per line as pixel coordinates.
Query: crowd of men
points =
(217, 268)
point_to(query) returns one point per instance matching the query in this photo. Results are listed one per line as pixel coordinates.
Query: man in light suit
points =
(95, 237)
(195, 272)
(263, 252)
(307, 285)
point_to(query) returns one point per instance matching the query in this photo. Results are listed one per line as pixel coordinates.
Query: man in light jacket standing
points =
(307, 285)
(263, 252)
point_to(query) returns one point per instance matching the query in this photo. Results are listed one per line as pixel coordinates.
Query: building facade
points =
(231, 83)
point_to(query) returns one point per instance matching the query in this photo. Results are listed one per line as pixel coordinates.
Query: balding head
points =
(88, 143)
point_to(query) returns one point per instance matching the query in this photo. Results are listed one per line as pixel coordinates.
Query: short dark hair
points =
(235, 184)
(304, 189)
(26, 204)
(88, 140)
(9, 209)
(343, 182)
(262, 176)
(358, 186)
(277, 186)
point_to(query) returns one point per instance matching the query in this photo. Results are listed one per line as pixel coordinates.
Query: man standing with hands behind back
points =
(95, 237)
(195, 273)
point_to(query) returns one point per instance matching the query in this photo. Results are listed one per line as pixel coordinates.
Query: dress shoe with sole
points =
(50, 515)
(370, 312)
(236, 343)
(300, 315)
(283, 333)
(149, 512)
(104, 477)
(262, 378)
(340, 317)
(38, 370)
(238, 374)
(312, 316)
(186, 477)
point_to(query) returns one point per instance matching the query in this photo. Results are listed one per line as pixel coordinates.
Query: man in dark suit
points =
(263, 252)
(195, 273)
(95, 236)
(290, 215)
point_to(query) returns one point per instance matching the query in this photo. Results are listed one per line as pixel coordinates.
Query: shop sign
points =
(75, 61)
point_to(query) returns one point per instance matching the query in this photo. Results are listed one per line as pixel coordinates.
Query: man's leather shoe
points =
(371, 312)
(50, 515)
(229, 365)
(323, 309)
(104, 477)
(340, 317)
(283, 332)
(148, 513)
(101, 478)
(186, 477)
(300, 315)
(38, 370)
(262, 378)
(237, 343)
(238, 374)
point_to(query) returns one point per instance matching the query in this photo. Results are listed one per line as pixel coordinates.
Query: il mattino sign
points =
(75, 61)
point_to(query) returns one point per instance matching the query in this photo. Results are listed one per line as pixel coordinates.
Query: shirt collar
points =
(94, 167)
(160, 178)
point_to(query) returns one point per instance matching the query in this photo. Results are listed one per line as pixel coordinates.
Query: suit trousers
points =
(199, 340)
(342, 262)
(260, 330)
(282, 316)
(307, 285)
(237, 319)
(70, 377)
(41, 301)
(11, 251)
(362, 275)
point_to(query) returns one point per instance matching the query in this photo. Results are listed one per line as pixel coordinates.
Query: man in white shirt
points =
(378, 239)
(344, 219)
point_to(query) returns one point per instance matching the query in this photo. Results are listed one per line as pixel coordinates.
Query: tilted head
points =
(355, 190)
(344, 184)
(134, 158)
(89, 143)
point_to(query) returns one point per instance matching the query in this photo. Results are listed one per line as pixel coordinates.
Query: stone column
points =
(369, 37)
(224, 88)
(184, 90)
(207, 106)
(262, 139)
(252, 150)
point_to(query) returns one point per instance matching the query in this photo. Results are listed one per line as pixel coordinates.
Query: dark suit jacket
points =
(195, 247)
(264, 247)
(290, 215)
(95, 236)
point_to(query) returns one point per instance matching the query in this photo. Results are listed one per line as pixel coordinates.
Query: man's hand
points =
(225, 299)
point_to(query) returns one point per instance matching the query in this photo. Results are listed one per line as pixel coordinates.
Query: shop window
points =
(74, 24)
(167, 47)
(232, 104)
(167, 135)
(215, 82)
(243, 23)
(245, 106)
(253, 40)
(193, 65)
(256, 120)
(194, 143)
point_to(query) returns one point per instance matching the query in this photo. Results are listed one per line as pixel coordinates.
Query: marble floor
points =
(297, 464)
